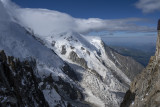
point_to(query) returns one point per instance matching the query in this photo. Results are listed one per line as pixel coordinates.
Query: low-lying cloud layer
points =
(128, 25)
(46, 22)
(148, 6)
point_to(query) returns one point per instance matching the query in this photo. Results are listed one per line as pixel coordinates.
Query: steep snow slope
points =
(86, 73)
(45, 28)
(15, 41)
(76, 49)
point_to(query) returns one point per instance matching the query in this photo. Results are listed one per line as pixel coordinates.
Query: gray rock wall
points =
(145, 89)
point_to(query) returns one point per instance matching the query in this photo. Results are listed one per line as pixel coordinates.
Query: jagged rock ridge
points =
(145, 89)
(18, 84)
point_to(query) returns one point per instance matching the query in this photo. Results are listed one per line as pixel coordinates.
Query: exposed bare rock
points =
(158, 27)
(72, 47)
(82, 48)
(18, 84)
(88, 52)
(74, 57)
(63, 52)
(145, 89)
(53, 43)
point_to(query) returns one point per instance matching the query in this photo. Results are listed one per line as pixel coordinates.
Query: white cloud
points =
(128, 25)
(148, 6)
(45, 22)
(3, 14)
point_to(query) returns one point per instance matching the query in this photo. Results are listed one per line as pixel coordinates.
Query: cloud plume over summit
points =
(48, 22)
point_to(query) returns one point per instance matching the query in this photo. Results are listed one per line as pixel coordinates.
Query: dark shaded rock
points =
(72, 39)
(82, 48)
(74, 57)
(158, 27)
(99, 53)
(53, 43)
(63, 52)
(96, 74)
(70, 72)
(18, 84)
(129, 98)
(146, 87)
(72, 47)
(68, 91)
(3, 56)
(88, 52)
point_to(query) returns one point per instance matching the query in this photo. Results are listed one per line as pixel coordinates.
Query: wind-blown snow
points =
(46, 22)
(16, 41)
(44, 37)
(98, 93)
(4, 15)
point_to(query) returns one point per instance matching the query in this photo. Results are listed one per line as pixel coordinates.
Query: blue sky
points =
(147, 10)
(104, 9)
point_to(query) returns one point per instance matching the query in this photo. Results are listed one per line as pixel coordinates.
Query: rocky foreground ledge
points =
(18, 84)
(145, 89)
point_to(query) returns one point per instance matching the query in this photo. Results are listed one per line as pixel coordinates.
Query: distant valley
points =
(134, 47)
(139, 55)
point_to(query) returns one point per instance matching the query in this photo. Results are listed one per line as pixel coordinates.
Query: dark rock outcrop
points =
(74, 57)
(70, 72)
(72, 47)
(82, 48)
(18, 84)
(88, 52)
(158, 27)
(53, 43)
(63, 52)
(145, 88)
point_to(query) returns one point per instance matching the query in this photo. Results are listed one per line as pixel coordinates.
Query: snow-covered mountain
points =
(71, 69)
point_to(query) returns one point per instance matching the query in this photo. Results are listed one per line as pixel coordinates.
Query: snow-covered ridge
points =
(47, 25)
(39, 33)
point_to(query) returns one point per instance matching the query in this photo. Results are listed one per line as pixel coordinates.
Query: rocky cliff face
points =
(145, 89)
(18, 84)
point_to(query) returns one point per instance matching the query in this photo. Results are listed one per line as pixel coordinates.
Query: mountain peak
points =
(80, 68)
(144, 92)
(158, 27)
(158, 40)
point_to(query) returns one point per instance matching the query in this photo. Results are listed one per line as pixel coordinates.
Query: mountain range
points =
(43, 66)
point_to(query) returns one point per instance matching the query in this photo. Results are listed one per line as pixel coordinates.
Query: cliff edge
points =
(145, 89)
